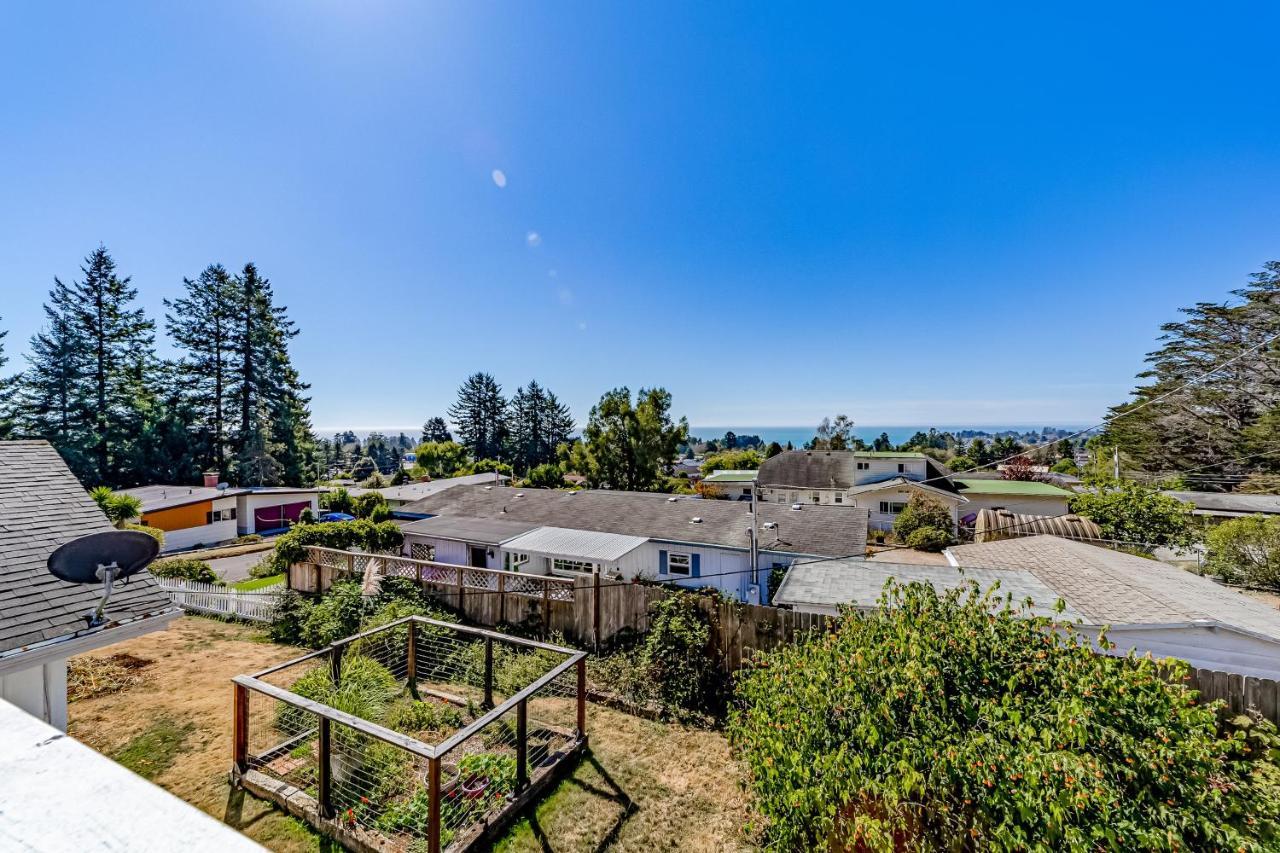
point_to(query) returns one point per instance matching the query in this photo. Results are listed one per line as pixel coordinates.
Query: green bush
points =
(364, 684)
(340, 500)
(186, 568)
(362, 534)
(154, 532)
(1139, 515)
(1246, 550)
(679, 656)
(337, 614)
(953, 722)
(414, 718)
(929, 539)
(922, 511)
(364, 505)
(254, 538)
(545, 476)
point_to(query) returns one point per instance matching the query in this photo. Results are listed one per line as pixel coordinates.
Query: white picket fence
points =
(257, 605)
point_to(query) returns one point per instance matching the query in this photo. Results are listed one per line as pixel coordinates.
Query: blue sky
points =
(925, 215)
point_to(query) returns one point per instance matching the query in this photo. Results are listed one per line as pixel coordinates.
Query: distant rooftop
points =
(165, 497)
(1023, 488)
(576, 544)
(1229, 503)
(727, 476)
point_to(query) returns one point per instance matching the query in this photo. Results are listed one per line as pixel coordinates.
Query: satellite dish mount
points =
(103, 558)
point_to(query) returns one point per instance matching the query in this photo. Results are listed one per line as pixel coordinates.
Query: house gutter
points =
(75, 644)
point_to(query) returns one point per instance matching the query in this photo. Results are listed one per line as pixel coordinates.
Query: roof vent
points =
(519, 494)
(672, 499)
(770, 525)
(488, 488)
(697, 519)
(797, 507)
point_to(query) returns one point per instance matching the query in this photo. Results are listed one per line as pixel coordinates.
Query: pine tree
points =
(539, 423)
(51, 403)
(480, 414)
(7, 396)
(435, 429)
(202, 323)
(120, 340)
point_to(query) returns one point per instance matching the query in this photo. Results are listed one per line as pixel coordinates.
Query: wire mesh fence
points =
(419, 733)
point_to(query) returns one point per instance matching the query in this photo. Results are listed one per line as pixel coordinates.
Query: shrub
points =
(1246, 550)
(255, 538)
(1065, 466)
(365, 689)
(186, 568)
(364, 505)
(154, 532)
(922, 511)
(1137, 514)
(545, 476)
(929, 539)
(291, 547)
(400, 477)
(306, 516)
(380, 513)
(340, 500)
(337, 614)
(954, 722)
(118, 508)
(679, 656)
(414, 718)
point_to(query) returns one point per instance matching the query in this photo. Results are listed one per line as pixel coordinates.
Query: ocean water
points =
(897, 434)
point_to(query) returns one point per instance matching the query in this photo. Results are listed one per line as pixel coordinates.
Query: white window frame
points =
(563, 565)
(676, 558)
(887, 507)
(513, 561)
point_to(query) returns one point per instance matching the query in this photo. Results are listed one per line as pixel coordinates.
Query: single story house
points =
(194, 516)
(676, 538)
(1022, 497)
(398, 496)
(882, 482)
(42, 619)
(732, 485)
(1147, 606)
(1220, 506)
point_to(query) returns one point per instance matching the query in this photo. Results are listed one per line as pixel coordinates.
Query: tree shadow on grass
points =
(611, 791)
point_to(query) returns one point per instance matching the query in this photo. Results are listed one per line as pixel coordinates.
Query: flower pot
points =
(473, 788)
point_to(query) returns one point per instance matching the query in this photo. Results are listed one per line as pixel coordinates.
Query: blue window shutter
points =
(697, 571)
(662, 562)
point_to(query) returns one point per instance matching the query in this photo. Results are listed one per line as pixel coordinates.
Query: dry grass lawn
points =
(643, 786)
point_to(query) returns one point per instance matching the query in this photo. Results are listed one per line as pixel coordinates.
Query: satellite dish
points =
(103, 558)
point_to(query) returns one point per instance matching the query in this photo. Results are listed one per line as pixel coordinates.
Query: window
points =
(512, 562)
(229, 514)
(816, 497)
(678, 564)
(219, 515)
(864, 466)
(575, 566)
(839, 498)
(902, 467)
(892, 507)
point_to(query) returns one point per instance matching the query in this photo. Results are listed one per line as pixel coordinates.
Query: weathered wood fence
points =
(1240, 692)
(257, 606)
(588, 610)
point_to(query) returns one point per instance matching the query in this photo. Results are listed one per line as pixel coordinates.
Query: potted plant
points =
(484, 771)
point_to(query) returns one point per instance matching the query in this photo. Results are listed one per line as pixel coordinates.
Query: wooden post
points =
(418, 570)
(351, 564)
(240, 727)
(324, 778)
(335, 666)
(461, 579)
(433, 805)
(522, 745)
(317, 589)
(546, 607)
(502, 599)
(582, 698)
(411, 667)
(595, 612)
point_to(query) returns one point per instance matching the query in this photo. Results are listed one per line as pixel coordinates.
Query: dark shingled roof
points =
(824, 531)
(486, 531)
(42, 505)
(834, 469)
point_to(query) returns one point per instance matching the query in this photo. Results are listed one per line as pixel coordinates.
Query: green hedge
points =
(366, 535)
(186, 568)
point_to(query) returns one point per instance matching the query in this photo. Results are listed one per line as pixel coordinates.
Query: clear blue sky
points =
(934, 215)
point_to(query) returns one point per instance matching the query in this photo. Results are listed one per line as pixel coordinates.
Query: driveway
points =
(232, 569)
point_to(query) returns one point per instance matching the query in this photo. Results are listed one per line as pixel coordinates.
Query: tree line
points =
(121, 416)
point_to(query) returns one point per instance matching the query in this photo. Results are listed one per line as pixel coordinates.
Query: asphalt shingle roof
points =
(464, 528)
(817, 530)
(834, 469)
(42, 505)
(1111, 587)
(1230, 502)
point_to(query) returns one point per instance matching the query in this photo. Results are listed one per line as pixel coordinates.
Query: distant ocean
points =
(897, 434)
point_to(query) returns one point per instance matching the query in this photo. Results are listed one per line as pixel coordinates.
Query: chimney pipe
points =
(210, 479)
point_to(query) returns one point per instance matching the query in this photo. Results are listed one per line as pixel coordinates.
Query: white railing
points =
(258, 605)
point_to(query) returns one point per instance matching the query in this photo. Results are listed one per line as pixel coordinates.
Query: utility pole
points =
(755, 546)
(1115, 456)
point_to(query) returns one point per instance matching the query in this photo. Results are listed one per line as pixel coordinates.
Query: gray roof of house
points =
(831, 583)
(899, 483)
(818, 530)
(465, 528)
(576, 544)
(42, 505)
(416, 491)
(833, 469)
(1109, 587)
(1230, 502)
(164, 497)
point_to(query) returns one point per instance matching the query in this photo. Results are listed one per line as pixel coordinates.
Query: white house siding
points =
(204, 534)
(1021, 504)
(884, 469)
(1207, 647)
(878, 520)
(451, 551)
(821, 497)
(40, 690)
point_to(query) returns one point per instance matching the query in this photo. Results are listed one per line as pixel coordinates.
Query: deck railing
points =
(478, 726)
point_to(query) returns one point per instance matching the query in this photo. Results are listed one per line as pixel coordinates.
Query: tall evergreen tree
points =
(51, 400)
(480, 414)
(202, 324)
(539, 423)
(7, 397)
(435, 429)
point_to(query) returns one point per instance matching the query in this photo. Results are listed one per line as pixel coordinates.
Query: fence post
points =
(546, 607)
(461, 579)
(522, 745)
(433, 805)
(582, 698)
(595, 612)
(319, 569)
(418, 570)
(411, 666)
(502, 599)
(324, 776)
(488, 672)
(335, 665)
(240, 727)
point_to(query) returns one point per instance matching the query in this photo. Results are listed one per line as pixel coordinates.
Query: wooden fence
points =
(1240, 692)
(587, 610)
(256, 606)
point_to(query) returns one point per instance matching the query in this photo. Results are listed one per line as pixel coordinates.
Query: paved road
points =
(236, 568)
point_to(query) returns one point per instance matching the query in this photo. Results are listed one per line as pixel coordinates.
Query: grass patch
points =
(257, 583)
(154, 751)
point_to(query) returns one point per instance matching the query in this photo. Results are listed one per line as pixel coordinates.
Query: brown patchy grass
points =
(644, 785)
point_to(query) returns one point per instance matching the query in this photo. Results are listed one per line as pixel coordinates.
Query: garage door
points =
(277, 517)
